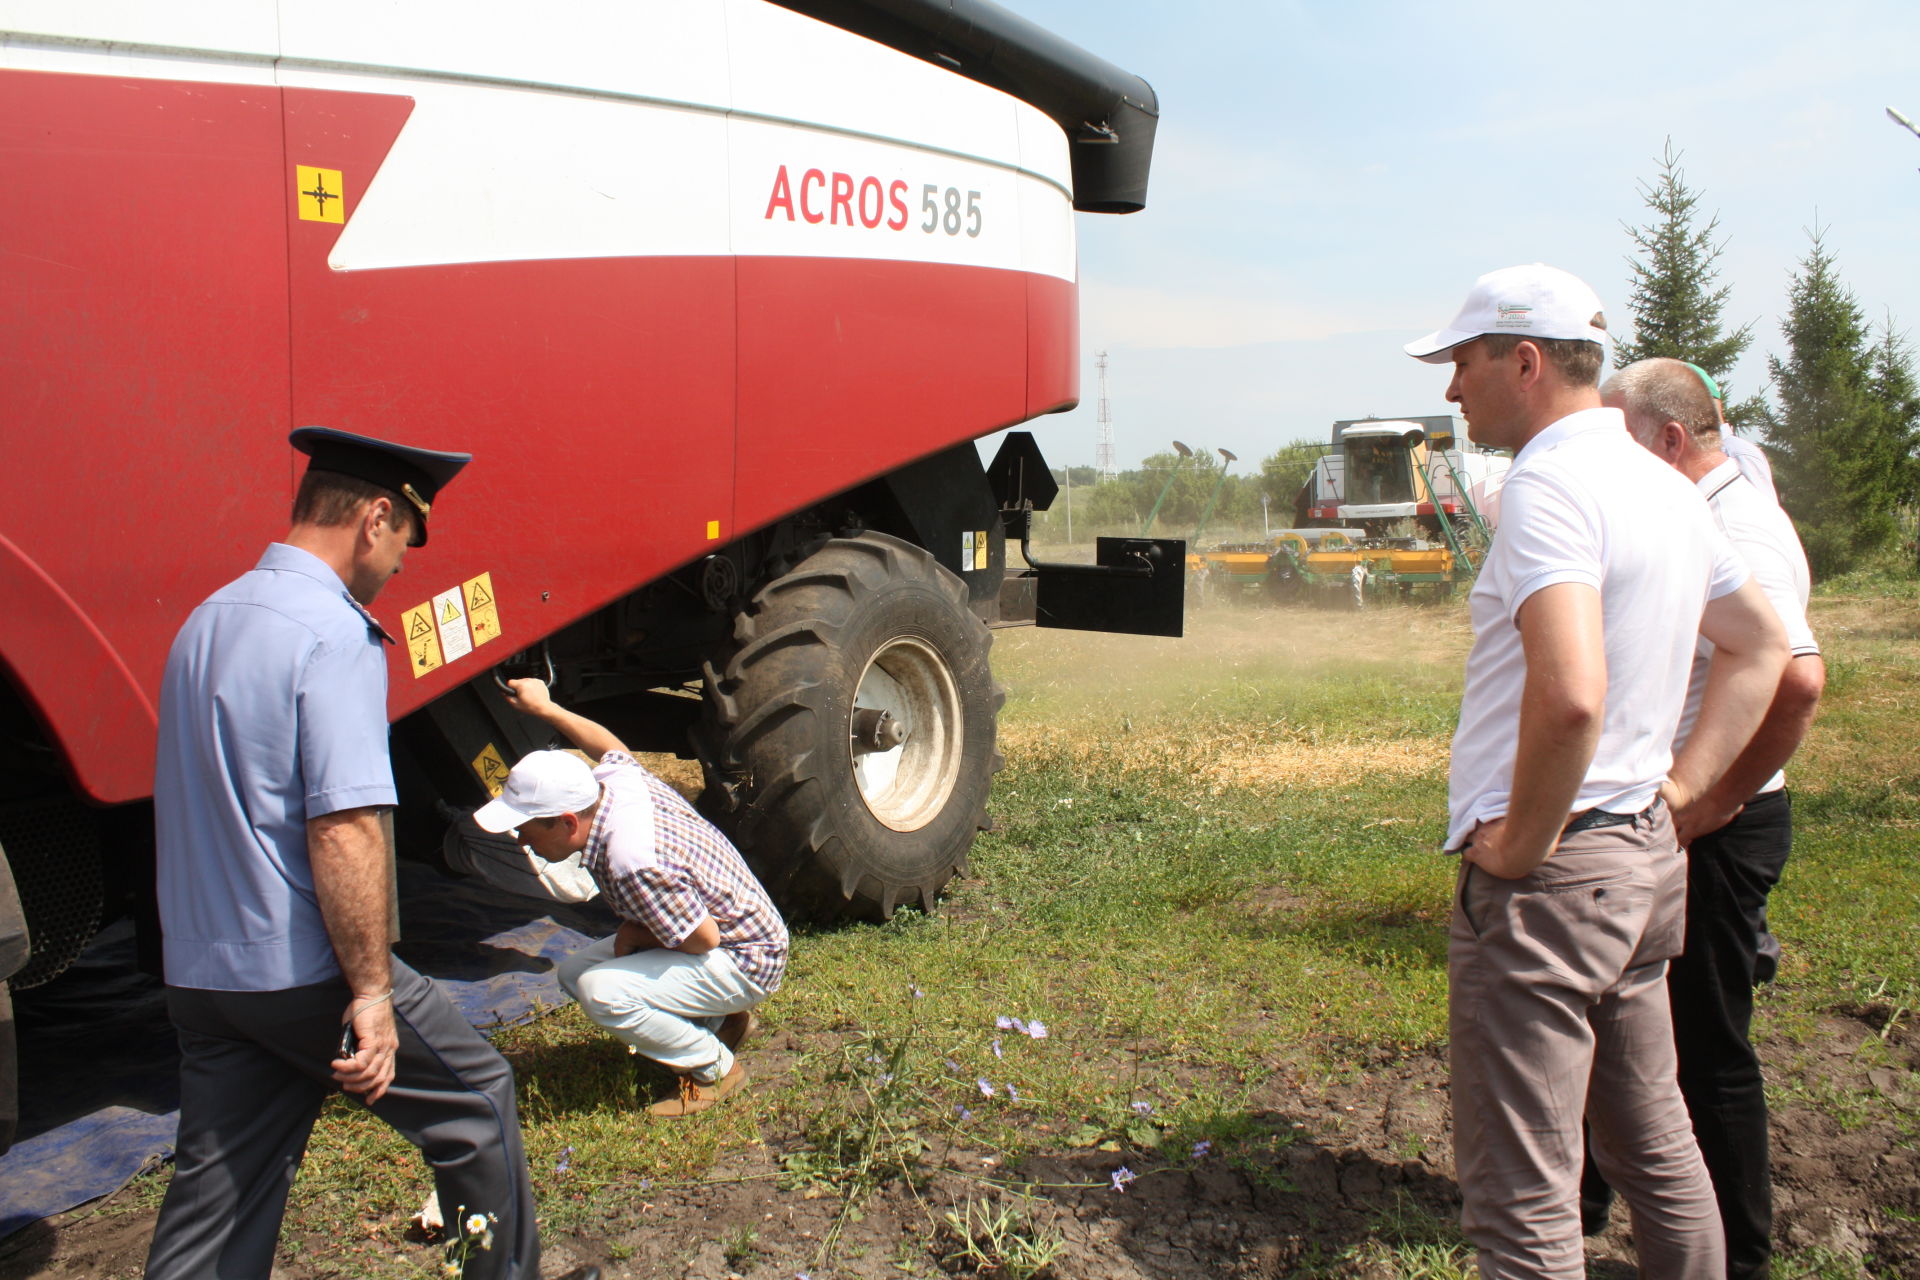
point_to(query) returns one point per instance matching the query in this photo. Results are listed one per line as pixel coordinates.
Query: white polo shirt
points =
(1584, 503)
(1763, 535)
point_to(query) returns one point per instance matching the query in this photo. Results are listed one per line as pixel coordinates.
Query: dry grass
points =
(1862, 737)
(682, 775)
(1236, 642)
(1247, 758)
(1333, 764)
(1254, 697)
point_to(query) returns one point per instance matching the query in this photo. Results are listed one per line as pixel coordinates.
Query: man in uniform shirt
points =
(1739, 832)
(275, 878)
(1571, 886)
(699, 944)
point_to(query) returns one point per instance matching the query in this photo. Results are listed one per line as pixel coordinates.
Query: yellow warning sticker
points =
(483, 615)
(980, 549)
(323, 194)
(423, 639)
(491, 769)
(713, 530)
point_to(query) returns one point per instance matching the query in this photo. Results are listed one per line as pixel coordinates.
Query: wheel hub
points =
(905, 734)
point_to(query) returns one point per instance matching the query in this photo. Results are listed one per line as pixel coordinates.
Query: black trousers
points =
(1728, 951)
(254, 1070)
(1729, 875)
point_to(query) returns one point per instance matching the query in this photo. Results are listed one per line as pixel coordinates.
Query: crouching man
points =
(699, 944)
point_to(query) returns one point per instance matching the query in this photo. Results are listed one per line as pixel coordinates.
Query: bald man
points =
(1738, 832)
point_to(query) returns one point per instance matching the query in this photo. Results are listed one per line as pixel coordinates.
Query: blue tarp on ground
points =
(99, 1068)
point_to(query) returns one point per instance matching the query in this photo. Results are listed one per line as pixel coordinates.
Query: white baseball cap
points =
(1533, 301)
(545, 784)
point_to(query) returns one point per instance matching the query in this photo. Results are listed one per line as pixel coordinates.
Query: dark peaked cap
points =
(417, 475)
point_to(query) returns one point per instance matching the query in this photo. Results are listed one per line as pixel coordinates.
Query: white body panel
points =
(609, 129)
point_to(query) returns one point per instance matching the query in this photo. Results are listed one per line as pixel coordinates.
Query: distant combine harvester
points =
(1390, 502)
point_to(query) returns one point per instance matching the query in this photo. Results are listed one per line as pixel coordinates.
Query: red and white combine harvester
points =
(718, 293)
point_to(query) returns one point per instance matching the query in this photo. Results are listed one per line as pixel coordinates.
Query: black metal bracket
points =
(1136, 586)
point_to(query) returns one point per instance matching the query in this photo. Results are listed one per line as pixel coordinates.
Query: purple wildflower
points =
(996, 1048)
(1013, 1094)
(918, 994)
(1143, 1108)
(953, 1066)
(1037, 1029)
(1018, 1025)
(986, 1089)
(962, 1112)
(565, 1162)
(1003, 1022)
(1202, 1147)
(1121, 1177)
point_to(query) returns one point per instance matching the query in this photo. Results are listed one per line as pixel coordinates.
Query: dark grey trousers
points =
(254, 1070)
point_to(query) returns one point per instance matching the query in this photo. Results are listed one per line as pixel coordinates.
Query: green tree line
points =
(1121, 505)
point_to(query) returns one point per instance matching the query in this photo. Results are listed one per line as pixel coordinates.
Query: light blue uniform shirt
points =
(273, 711)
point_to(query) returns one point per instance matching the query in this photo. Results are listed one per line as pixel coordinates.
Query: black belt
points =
(1588, 819)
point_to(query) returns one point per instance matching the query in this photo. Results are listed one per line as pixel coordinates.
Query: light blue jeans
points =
(663, 1004)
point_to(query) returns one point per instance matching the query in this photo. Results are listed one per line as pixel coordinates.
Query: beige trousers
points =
(1558, 1010)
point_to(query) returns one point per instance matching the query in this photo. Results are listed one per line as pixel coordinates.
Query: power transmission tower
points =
(1103, 451)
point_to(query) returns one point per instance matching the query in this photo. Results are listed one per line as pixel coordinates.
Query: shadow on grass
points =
(585, 1075)
(1369, 934)
(1283, 1203)
(1856, 804)
(1295, 1207)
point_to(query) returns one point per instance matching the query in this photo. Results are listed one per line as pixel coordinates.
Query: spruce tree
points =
(1836, 436)
(1676, 308)
(1897, 390)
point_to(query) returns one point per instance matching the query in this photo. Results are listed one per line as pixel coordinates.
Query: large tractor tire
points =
(1284, 585)
(848, 739)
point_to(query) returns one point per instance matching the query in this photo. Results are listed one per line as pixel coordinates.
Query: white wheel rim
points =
(907, 787)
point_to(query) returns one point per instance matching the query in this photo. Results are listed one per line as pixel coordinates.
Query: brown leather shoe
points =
(696, 1097)
(736, 1027)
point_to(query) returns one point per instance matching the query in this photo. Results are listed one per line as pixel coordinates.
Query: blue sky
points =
(1330, 178)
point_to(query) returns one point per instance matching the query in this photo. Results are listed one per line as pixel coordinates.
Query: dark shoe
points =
(696, 1097)
(736, 1027)
(1596, 1197)
(1596, 1210)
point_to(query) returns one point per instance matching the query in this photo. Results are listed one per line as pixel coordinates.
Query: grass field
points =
(1215, 867)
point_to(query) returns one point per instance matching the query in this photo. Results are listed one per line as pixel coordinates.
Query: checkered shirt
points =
(661, 865)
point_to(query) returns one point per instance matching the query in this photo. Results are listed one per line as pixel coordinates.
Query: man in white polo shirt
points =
(1739, 832)
(1572, 887)
(1748, 456)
